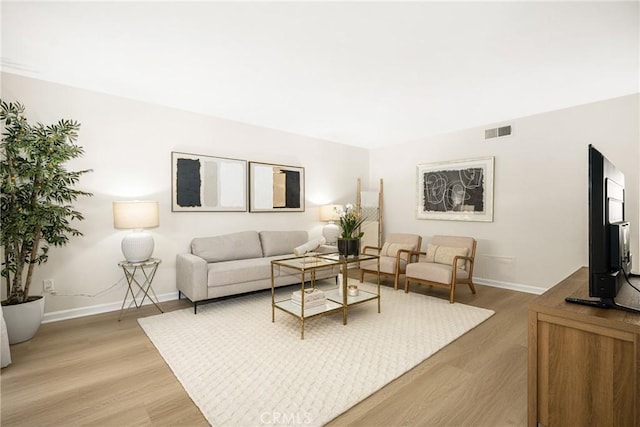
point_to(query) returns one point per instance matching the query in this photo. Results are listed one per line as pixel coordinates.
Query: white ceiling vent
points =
(497, 132)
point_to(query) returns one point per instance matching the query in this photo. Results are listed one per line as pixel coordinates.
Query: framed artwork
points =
(207, 184)
(275, 188)
(458, 190)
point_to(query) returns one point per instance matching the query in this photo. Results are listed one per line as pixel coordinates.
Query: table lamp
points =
(137, 246)
(331, 231)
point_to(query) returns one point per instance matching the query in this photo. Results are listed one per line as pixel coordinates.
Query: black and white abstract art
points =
(458, 190)
(207, 183)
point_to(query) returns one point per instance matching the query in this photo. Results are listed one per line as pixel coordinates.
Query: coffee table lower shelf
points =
(363, 296)
(333, 304)
(288, 306)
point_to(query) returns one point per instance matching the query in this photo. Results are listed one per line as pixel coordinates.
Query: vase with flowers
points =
(350, 234)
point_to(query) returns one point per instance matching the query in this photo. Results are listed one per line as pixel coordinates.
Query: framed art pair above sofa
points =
(202, 183)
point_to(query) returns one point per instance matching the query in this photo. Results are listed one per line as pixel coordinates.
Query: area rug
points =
(241, 369)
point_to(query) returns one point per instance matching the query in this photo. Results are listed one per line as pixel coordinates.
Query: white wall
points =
(128, 144)
(539, 234)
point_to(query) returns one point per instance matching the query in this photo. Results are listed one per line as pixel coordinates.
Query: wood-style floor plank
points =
(98, 371)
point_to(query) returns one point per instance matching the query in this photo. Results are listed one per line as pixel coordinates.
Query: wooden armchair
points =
(436, 266)
(398, 250)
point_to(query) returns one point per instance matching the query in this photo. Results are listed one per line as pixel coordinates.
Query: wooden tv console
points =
(584, 362)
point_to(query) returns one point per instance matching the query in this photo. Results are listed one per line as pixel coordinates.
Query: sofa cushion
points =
(239, 271)
(228, 247)
(281, 242)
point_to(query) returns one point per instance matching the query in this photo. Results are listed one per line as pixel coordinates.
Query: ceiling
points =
(361, 73)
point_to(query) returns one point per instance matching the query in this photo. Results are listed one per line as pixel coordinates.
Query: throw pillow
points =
(445, 255)
(431, 252)
(391, 249)
(310, 246)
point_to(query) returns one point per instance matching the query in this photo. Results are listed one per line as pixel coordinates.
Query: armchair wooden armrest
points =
(459, 257)
(411, 255)
(398, 250)
(419, 254)
(364, 250)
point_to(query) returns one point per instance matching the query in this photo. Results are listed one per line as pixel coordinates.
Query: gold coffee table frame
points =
(363, 296)
(307, 267)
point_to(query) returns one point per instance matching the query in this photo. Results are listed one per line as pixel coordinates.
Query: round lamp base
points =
(137, 246)
(330, 232)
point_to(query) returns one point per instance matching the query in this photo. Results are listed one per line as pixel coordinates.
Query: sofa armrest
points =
(191, 276)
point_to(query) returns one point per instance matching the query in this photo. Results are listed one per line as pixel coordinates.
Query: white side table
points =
(147, 270)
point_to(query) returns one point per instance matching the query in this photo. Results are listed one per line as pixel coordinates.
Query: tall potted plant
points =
(37, 190)
(350, 235)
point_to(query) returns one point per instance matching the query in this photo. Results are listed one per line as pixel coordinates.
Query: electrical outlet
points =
(47, 284)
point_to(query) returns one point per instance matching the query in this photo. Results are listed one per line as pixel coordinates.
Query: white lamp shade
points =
(330, 212)
(135, 214)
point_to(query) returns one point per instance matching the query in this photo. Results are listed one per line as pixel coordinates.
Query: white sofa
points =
(237, 263)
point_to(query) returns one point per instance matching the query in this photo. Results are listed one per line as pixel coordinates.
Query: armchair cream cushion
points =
(436, 272)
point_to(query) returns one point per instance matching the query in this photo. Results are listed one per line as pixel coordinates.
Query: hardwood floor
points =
(98, 371)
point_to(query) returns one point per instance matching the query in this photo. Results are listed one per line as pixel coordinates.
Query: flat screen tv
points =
(609, 234)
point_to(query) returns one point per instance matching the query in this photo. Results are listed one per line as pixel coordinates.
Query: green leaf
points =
(37, 192)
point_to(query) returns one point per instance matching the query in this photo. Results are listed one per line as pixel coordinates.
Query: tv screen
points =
(609, 233)
(608, 263)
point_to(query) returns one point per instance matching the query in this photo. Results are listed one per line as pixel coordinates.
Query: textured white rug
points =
(241, 369)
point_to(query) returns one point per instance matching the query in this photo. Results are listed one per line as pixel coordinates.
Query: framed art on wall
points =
(458, 190)
(207, 184)
(275, 188)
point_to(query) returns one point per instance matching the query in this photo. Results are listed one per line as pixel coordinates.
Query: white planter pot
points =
(23, 320)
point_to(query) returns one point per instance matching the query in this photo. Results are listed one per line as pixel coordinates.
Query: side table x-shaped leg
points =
(148, 269)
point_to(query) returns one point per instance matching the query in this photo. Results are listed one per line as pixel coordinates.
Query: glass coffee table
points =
(335, 301)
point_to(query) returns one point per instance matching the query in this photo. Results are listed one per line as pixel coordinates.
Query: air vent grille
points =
(497, 132)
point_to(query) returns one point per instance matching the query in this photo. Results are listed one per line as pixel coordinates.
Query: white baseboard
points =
(511, 286)
(56, 316)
